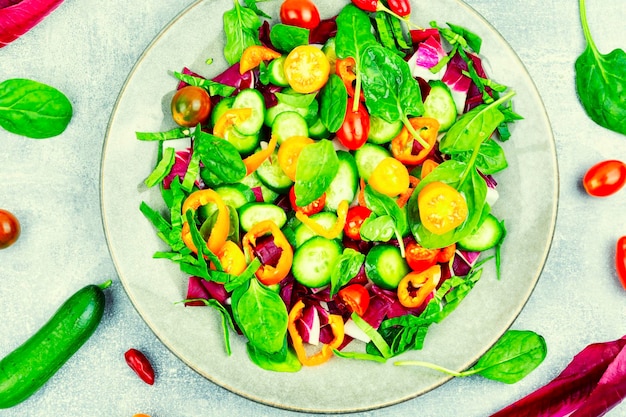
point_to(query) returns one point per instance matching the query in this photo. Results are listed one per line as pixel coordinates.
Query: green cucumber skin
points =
(28, 368)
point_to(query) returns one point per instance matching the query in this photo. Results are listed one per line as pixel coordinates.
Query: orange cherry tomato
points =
(306, 69)
(441, 207)
(420, 258)
(354, 221)
(314, 207)
(356, 297)
(9, 229)
(301, 13)
(605, 178)
(191, 106)
(288, 154)
(390, 177)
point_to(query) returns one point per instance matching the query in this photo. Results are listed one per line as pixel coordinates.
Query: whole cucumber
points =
(27, 368)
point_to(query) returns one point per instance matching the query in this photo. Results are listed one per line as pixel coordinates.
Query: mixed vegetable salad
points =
(335, 182)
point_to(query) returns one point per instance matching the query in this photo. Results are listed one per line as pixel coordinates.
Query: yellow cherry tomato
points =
(390, 177)
(306, 69)
(441, 207)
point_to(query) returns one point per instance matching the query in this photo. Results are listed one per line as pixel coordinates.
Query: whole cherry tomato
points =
(354, 221)
(420, 258)
(390, 177)
(620, 260)
(355, 129)
(314, 207)
(605, 178)
(9, 229)
(356, 297)
(400, 7)
(191, 106)
(301, 13)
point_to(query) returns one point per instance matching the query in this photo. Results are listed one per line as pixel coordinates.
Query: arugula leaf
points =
(601, 82)
(241, 26)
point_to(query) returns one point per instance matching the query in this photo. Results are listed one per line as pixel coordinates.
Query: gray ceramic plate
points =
(528, 201)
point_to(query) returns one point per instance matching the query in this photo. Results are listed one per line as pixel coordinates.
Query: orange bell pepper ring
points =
(268, 274)
(220, 230)
(425, 130)
(255, 160)
(336, 324)
(416, 286)
(231, 258)
(253, 55)
(335, 230)
(231, 117)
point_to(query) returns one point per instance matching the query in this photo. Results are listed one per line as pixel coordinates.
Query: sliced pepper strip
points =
(416, 286)
(361, 194)
(220, 230)
(345, 70)
(230, 118)
(255, 160)
(402, 145)
(253, 55)
(268, 274)
(335, 230)
(336, 324)
(404, 197)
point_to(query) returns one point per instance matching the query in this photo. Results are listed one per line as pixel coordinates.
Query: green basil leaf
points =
(241, 26)
(32, 109)
(333, 103)
(347, 267)
(214, 88)
(220, 157)
(390, 90)
(287, 37)
(317, 166)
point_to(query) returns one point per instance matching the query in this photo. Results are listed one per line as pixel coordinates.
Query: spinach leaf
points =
(252, 5)
(287, 37)
(214, 88)
(261, 315)
(283, 361)
(162, 168)
(601, 82)
(176, 133)
(458, 35)
(377, 228)
(491, 157)
(390, 33)
(219, 157)
(227, 320)
(333, 103)
(32, 109)
(382, 205)
(298, 100)
(390, 90)
(317, 166)
(347, 267)
(241, 26)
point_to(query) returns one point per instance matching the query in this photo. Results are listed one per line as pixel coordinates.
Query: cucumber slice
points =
(253, 213)
(381, 131)
(368, 157)
(314, 261)
(288, 124)
(345, 184)
(252, 99)
(253, 181)
(236, 195)
(220, 108)
(276, 71)
(302, 232)
(489, 234)
(245, 144)
(318, 130)
(385, 266)
(272, 175)
(440, 105)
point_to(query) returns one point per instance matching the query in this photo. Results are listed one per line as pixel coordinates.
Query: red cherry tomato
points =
(354, 221)
(419, 258)
(9, 229)
(301, 13)
(356, 297)
(311, 208)
(400, 7)
(620, 260)
(191, 106)
(355, 129)
(605, 178)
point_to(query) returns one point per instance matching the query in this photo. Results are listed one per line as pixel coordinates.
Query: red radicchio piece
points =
(324, 31)
(19, 16)
(179, 169)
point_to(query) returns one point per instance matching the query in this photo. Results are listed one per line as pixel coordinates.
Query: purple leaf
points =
(18, 17)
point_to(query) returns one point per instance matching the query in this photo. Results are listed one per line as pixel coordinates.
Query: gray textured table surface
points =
(87, 48)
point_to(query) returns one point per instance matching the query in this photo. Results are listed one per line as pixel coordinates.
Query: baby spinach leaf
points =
(287, 37)
(176, 133)
(282, 361)
(214, 88)
(252, 4)
(297, 100)
(346, 268)
(220, 157)
(491, 157)
(458, 35)
(377, 228)
(32, 109)
(261, 316)
(317, 166)
(354, 33)
(383, 205)
(333, 103)
(241, 26)
(390, 90)
(601, 82)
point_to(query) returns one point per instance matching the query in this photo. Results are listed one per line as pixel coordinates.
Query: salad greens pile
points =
(338, 185)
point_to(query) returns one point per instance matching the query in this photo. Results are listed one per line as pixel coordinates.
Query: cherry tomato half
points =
(354, 221)
(390, 177)
(9, 229)
(605, 178)
(307, 69)
(314, 207)
(441, 207)
(301, 13)
(355, 128)
(620, 260)
(420, 258)
(191, 106)
(356, 297)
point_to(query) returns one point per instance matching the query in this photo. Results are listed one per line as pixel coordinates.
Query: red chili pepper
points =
(400, 7)
(367, 5)
(620, 260)
(141, 365)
